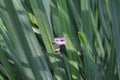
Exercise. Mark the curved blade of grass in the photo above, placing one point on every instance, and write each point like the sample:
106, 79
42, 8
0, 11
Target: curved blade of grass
33, 43
91, 70
8, 68
68, 33
103, 19
55, 20
115, 14
59, 33
46, 4
7, 22
44, 26
75, 10
10, 50
86, 21
12, 23
47, 34
94, 25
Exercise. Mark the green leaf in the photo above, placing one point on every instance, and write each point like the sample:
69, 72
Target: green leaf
90, 67
8, 68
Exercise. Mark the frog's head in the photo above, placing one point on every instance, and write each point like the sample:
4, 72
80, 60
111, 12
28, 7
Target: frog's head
59, 41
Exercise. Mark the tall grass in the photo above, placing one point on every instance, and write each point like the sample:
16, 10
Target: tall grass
28, 28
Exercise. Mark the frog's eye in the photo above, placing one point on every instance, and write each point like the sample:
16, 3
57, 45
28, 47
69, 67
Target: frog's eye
62, 40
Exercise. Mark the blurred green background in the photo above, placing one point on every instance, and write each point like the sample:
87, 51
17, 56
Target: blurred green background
28, 28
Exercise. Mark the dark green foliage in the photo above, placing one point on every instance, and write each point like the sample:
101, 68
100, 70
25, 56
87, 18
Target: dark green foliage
28, 28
